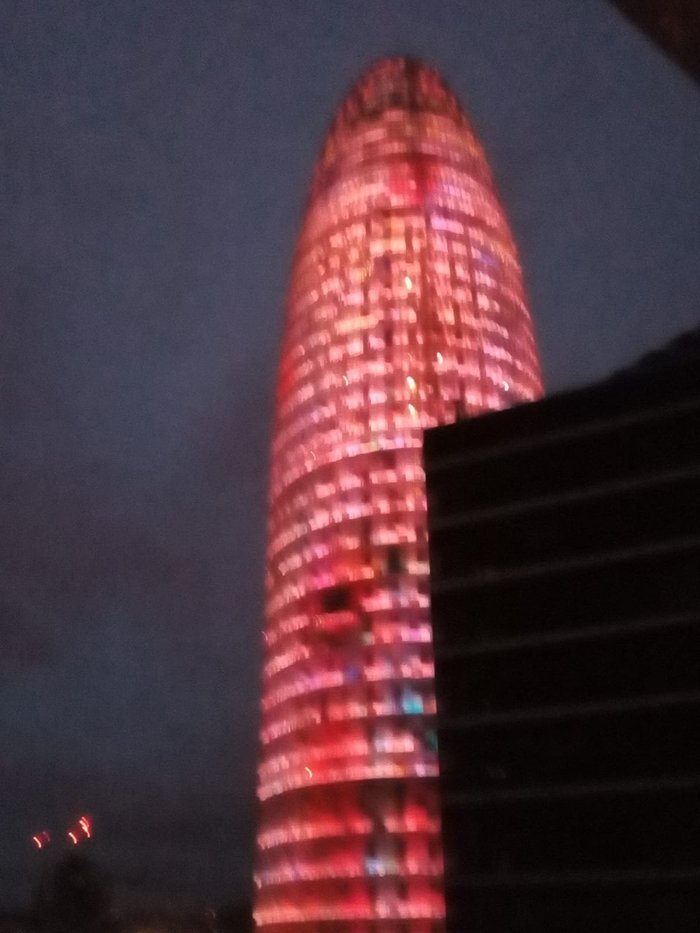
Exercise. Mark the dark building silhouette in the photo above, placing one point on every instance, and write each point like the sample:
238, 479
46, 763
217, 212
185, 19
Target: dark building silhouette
78, 899
565, 587
674, 25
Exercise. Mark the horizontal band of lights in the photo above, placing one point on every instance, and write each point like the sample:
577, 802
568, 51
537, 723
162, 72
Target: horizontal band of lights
409, 667
414, 701
294, 870
405, 310
358, 771
332, 826
419, 904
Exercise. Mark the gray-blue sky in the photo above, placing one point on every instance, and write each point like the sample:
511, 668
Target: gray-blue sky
155, 160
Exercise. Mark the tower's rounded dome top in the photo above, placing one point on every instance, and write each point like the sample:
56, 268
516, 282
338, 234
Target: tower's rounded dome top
397, 83
390, 84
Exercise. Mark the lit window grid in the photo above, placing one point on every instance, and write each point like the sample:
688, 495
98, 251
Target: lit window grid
391, 284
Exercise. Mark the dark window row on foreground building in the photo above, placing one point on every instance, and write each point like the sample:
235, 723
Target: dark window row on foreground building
565, 575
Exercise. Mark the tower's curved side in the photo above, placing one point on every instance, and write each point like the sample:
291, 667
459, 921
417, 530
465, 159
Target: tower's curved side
405, 310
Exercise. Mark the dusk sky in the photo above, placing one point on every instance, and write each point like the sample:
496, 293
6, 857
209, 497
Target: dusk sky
154, 164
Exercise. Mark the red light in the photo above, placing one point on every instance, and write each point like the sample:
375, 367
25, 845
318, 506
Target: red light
42, 839
81, 830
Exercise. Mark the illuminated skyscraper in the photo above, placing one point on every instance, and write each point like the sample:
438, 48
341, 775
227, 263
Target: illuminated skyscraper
405, 310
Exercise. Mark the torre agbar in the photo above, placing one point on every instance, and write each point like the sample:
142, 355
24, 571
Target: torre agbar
405, 310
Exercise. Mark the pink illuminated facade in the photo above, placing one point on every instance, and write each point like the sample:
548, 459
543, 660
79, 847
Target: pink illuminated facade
405, 310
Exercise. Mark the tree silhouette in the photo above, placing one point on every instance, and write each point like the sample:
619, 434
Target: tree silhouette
79, 898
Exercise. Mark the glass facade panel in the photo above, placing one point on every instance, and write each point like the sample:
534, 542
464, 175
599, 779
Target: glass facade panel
405, 310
